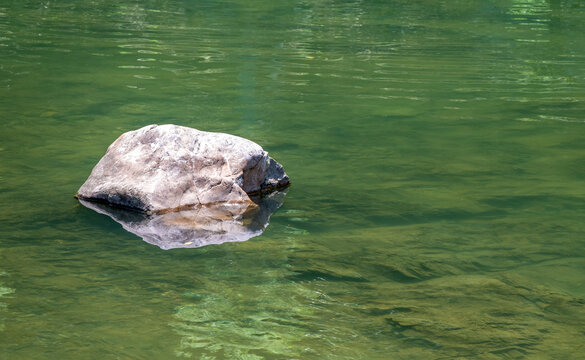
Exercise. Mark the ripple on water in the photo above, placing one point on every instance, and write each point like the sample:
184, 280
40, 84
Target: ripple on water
247, 319
436, 148
418, 310
4, 293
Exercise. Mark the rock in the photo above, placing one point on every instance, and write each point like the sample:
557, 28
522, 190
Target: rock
166, 168
198, 226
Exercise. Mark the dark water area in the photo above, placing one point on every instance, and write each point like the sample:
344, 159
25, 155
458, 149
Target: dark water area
435, 150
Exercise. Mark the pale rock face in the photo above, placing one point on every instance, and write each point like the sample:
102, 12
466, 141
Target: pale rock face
159, 169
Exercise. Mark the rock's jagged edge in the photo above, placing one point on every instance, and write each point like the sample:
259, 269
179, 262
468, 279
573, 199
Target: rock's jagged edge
270, 184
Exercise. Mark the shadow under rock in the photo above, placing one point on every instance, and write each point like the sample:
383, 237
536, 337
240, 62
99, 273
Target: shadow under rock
201, 226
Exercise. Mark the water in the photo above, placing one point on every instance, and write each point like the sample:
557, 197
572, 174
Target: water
435, 150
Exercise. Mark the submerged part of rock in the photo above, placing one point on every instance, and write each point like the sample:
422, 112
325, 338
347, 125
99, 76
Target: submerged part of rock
198, 226
180, 187
158, 169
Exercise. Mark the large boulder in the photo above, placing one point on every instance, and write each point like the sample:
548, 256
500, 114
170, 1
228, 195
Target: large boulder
164, 168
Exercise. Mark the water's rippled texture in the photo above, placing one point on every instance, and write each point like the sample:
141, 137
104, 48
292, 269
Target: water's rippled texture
436, 154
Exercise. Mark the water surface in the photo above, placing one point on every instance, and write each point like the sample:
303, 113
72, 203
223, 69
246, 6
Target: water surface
435, 150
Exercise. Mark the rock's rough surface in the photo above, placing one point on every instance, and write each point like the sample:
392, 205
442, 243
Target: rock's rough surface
158, 169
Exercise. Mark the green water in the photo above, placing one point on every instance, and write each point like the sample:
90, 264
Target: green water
436, 150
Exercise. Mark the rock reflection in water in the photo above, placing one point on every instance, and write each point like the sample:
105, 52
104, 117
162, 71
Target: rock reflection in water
205, 225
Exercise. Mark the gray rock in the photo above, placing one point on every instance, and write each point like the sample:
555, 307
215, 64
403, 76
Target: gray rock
166, 168
198, 226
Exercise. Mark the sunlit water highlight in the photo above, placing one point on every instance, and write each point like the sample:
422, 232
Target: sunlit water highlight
435, 150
